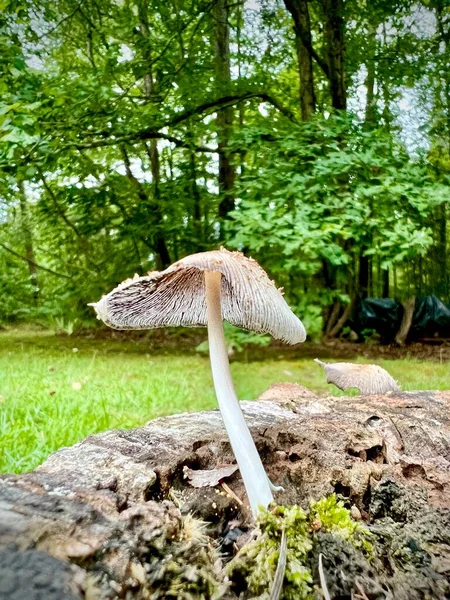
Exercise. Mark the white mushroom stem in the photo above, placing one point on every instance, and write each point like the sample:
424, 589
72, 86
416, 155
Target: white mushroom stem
252, 471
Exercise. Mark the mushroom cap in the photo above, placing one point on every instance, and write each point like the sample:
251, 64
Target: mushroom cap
368, 379
176, 297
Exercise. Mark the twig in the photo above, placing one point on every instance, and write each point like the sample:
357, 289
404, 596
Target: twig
361, 591
277, 587
66, 18
323, 581
230, 492
143, 135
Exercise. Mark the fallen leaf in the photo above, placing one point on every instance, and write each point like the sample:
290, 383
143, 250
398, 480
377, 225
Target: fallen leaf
52, 392
208, 477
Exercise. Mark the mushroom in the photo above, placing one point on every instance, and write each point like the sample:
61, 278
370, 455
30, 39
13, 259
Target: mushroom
368, 379
203, 289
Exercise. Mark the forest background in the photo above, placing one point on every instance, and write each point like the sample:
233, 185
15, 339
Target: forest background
312, 135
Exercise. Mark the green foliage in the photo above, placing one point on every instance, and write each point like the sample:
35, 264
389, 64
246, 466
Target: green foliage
330, 192
84, 196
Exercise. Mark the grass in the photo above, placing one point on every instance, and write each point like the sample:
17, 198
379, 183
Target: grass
54, 391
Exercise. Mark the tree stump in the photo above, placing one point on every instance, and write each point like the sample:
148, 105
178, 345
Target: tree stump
98, 520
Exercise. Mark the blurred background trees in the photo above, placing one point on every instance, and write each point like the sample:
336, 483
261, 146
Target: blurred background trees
313, 135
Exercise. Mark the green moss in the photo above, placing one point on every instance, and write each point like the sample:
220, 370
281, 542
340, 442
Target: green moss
256, 563
330, 516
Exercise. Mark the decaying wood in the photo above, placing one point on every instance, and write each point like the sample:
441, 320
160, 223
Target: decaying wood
405, 325
102, 506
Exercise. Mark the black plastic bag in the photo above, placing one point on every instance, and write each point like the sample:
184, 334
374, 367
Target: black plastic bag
383, 315
431, 318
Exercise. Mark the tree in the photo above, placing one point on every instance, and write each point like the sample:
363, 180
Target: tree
303, 43
119, 121
224, 119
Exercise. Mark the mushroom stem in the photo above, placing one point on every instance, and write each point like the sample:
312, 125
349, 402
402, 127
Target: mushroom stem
255, 479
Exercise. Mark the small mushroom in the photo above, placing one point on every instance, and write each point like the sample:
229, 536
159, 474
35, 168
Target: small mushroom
203, 289
368, 379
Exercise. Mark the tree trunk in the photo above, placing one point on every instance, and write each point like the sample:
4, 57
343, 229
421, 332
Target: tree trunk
335, 48
28, 240
386, 88
405, 325
303, 40
342, 319
371, 112
363, 275
160, 246
385, 283
199, 243
224, 120
443, 29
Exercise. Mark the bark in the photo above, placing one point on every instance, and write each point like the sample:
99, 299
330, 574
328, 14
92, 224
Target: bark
335, 48
28, 240
103, 507
405, 325
224, 120
303, 42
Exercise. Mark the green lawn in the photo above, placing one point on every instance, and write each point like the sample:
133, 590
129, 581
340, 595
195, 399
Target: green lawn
54, 390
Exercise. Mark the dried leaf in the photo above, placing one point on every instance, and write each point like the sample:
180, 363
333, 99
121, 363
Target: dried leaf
208, 477
368, 379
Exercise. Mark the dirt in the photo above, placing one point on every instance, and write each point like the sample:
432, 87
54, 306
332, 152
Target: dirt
184, 340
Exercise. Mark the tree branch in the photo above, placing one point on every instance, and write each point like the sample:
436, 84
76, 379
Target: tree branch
59, 210
155, 133
63, 20
293, 8
135, 137
31, 262
230, 100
